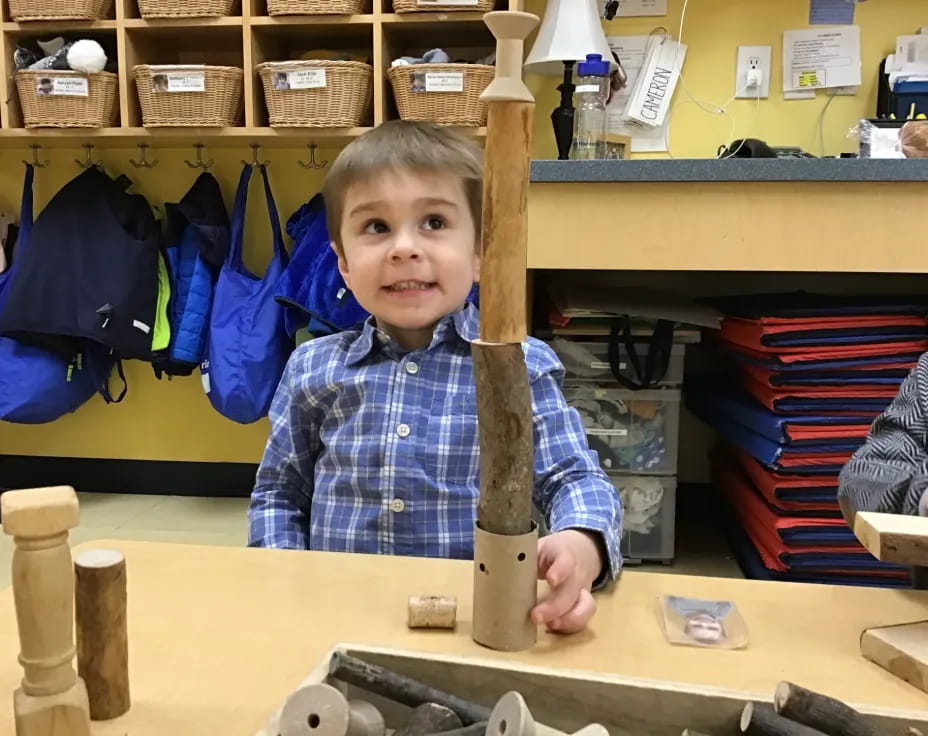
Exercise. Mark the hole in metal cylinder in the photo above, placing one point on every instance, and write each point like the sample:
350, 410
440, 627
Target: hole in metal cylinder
521, 556
313, 720
503, 726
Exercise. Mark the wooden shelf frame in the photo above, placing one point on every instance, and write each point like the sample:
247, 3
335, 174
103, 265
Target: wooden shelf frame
247, 38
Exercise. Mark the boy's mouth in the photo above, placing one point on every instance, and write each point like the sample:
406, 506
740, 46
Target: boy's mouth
404, 286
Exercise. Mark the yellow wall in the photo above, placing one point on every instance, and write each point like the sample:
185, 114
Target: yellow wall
177, 416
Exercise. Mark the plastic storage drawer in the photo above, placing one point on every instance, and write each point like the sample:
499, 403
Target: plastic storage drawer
649, 505
632, 431
589, 361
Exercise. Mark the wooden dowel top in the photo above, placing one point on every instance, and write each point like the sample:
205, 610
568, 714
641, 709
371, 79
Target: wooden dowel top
39, 512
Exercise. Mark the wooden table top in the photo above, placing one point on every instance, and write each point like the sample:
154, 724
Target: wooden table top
219, 636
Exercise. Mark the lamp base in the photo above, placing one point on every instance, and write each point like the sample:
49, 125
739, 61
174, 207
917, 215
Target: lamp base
562, 118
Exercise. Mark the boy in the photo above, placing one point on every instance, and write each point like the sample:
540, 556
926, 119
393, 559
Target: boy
374, 446
889, 473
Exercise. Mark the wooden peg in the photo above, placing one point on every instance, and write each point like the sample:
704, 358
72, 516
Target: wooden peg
431, 611
828, 715
52, 699
102, 636
760, 719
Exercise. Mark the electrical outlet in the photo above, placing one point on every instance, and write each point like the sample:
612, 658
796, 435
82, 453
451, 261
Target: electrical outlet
752, 72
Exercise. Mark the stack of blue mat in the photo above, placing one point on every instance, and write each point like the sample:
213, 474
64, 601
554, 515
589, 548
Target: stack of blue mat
807, 375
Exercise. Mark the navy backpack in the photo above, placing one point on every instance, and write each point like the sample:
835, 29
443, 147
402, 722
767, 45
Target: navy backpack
38, 386
248, 346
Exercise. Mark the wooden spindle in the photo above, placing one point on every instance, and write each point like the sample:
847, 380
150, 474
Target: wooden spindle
52, 699
505, 538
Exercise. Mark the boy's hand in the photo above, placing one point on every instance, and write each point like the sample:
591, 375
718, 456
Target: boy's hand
569, 561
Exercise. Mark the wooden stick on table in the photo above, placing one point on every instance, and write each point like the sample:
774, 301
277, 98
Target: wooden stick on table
760, 719
52, 700
505, 538
830, 716
102, 636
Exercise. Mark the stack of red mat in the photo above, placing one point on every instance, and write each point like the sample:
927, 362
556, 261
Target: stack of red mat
811, 372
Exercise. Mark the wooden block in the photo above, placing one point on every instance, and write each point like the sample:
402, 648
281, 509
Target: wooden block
38, 512
432, 611
898, 538
901, 650
102, 637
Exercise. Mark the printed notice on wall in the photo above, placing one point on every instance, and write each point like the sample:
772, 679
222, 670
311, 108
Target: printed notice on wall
300, 79
634, 8
632, 51
831, 12
821, 58
64, 86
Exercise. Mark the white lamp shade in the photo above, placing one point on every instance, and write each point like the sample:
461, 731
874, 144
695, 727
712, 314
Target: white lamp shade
569, 31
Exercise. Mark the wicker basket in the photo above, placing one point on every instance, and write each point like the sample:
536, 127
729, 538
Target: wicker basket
316, 7
424, 6
415, 101
186, 8
92, 106
342, 102
59, 9
215, 99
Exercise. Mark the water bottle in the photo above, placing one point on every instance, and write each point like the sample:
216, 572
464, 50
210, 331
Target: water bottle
590, 118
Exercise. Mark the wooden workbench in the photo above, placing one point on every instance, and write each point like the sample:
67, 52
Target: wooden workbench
219, 636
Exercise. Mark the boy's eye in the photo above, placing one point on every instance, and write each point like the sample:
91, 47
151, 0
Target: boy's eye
376, 227
434, 222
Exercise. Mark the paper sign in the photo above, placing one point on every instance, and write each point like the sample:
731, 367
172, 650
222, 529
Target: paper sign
179, 82
426, 3
631, 51
64, 86
300, 79
444, 81
826, 57
651, 96
831, 12
634, 8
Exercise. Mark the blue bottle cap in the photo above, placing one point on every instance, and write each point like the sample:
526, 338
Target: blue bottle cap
594, 66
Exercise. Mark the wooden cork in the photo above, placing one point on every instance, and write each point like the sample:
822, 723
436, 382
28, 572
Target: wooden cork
432, 612
102, 637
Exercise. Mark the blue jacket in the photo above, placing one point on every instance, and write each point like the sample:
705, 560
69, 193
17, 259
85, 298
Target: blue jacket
197, 242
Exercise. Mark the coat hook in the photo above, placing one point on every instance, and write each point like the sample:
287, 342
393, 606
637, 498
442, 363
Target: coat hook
35, 157
89, 162
312, 163
143, 164
254, 157
199, 163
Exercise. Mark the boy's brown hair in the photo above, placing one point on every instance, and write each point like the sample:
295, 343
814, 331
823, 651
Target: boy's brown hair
403, 144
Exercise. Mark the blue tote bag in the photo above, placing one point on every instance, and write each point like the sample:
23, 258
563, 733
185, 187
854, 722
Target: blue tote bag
37, 386
248, 346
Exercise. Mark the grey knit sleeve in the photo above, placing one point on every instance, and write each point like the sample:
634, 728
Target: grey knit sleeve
890, 472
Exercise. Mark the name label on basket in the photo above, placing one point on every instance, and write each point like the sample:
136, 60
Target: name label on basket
66, 86
447, 2
179, 82
301, 79
444, 81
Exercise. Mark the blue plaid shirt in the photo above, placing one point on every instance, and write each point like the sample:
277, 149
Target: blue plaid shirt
373, 449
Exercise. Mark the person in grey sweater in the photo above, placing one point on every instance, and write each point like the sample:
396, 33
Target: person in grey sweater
889, 473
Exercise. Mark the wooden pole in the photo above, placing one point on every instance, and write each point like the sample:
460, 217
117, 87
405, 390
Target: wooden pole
760, 719
830, 716
52, 699
102, 637
505, 538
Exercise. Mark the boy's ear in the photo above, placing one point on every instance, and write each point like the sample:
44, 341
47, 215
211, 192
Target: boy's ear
342, 264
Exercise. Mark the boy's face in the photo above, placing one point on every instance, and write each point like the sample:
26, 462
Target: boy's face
409, 251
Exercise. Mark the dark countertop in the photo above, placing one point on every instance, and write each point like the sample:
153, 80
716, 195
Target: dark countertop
662, 170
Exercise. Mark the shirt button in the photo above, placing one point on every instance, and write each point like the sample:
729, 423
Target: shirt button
412, 368
397, 505
403, 430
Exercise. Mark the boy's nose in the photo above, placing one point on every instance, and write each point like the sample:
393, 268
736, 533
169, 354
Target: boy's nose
405, 248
